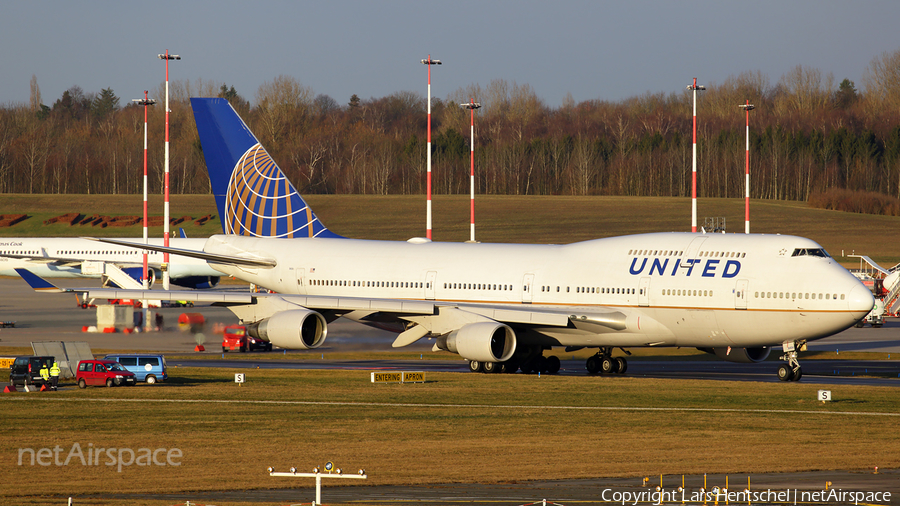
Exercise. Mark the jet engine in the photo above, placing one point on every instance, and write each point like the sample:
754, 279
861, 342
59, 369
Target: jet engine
740, 355
297, 329
483, 341
135, 273
196, 282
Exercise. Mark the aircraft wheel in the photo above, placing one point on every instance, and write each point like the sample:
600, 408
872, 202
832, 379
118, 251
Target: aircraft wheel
621, 365
592, 365
553, 364
475, 366
491, 367
608, 365
785, 373
528, 367
510, 366
797, 375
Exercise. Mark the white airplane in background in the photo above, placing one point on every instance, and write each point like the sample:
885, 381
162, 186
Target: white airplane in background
73, 257
502, 305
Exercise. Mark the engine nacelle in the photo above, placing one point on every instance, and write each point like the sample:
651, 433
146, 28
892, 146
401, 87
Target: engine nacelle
196, 282
740, 355
135, 273
297, 329
482, 341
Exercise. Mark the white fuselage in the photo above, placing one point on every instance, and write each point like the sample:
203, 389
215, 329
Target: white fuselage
670, 289
63, 257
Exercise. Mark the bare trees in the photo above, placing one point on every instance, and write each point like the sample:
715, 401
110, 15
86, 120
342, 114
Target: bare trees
807, 134
882, 81
282, 106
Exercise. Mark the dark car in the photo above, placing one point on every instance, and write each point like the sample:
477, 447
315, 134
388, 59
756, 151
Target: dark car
27, 370
103, 372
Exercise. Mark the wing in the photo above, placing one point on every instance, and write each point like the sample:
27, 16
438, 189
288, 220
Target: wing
209, 257
482, 332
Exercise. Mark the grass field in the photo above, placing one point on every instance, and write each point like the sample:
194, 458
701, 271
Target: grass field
454, 428
531, 219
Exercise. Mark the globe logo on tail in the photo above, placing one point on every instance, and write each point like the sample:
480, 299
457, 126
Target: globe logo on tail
261, 202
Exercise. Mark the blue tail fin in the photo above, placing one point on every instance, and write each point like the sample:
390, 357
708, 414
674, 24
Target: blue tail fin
253, 196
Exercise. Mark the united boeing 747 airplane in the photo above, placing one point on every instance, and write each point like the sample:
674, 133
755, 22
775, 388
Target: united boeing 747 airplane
501, 306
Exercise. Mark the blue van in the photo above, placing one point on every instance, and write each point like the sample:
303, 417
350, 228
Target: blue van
146, 367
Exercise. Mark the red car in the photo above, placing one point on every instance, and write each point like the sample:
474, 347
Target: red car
235, 338
103, 372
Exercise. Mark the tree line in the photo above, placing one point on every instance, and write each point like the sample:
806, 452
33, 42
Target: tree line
808, 134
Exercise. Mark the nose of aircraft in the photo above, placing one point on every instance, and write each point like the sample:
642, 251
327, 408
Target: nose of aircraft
860, 299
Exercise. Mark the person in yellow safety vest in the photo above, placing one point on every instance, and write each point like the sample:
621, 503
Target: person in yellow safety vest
45, 373
54, 375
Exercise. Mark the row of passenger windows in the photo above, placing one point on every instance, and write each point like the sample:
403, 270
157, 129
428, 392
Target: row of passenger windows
128, 251
120, 252
592, 289
372, 284
795, 295
670, 253
477, 286
688, 293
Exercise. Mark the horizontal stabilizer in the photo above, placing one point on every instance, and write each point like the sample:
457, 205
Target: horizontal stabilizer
38, 283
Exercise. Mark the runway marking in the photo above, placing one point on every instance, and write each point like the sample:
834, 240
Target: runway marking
461, 406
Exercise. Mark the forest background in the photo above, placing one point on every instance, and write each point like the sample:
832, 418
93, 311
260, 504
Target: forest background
808, 135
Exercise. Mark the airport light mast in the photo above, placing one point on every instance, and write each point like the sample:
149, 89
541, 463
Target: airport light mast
694, 87
472, 105
747, 107
429, 62
165, 269
144, 278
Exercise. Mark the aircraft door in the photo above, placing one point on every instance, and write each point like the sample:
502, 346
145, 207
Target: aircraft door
429, 284
527, 285
691, 252
301, 281
644, 292
740, 294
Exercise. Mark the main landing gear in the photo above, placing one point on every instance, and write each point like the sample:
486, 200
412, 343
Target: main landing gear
791, 371
530, 361
604, 362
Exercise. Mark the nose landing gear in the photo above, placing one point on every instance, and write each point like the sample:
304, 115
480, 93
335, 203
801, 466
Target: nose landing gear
791, 371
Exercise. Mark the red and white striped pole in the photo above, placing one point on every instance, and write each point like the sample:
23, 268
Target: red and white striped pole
694, 87
747, 107
145, 282
472, 105
429, 62
165, 269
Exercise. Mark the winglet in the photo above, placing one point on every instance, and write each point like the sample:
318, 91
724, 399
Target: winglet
38, 283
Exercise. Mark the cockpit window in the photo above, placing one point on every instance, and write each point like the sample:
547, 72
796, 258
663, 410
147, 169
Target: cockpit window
812, 252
